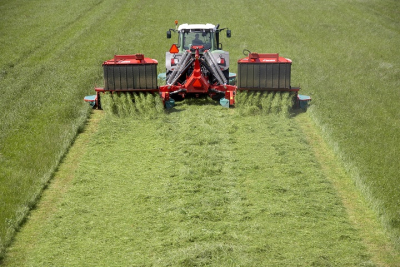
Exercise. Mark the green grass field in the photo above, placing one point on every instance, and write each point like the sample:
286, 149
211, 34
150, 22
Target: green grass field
345, 55
201, 186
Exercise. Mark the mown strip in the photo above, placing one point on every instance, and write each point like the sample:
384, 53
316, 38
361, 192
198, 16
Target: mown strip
363, 218
47, 64
201, 185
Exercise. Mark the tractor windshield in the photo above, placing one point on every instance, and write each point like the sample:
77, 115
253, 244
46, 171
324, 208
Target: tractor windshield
187, 38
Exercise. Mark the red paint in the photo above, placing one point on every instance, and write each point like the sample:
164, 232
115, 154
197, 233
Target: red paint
264, 58
174, 49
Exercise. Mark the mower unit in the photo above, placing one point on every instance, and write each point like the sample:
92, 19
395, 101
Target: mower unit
127, 74
196, 66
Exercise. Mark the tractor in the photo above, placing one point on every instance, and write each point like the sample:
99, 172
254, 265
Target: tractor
197, 66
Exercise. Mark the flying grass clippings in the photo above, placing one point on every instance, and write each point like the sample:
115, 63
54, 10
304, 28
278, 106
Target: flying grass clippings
138, 105
251, 103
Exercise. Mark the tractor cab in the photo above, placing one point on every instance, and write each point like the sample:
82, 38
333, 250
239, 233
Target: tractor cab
200, 38
205, 35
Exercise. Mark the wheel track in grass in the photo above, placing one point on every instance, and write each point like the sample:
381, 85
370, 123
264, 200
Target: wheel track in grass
53, 47
55, 40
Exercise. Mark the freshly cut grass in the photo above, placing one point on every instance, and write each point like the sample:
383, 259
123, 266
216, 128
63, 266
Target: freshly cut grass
201, 186
132, 104
253, 102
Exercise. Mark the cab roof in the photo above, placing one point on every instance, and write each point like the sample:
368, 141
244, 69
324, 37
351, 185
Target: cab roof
186, 26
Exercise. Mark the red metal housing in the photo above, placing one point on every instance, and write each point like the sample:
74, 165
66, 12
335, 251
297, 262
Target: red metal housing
129, 73
264, 72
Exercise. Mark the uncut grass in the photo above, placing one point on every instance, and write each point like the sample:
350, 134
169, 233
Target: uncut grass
200, 186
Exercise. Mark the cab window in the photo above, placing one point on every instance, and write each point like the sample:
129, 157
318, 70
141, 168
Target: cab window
197, 37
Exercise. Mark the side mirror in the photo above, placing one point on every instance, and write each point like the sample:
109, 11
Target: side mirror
169, 34
228, 33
